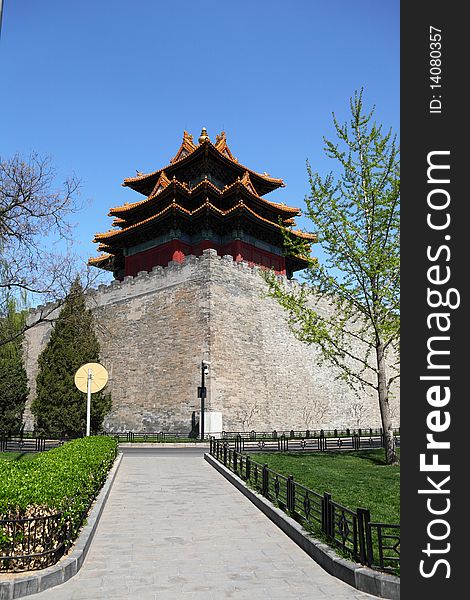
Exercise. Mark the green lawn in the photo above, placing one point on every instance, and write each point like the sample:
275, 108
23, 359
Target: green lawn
354, 479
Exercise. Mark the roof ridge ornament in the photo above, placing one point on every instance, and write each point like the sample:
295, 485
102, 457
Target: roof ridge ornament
220, 139
188, 137
204, 136
222, 147
187, 146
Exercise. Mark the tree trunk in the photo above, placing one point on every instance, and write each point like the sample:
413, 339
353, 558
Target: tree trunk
389, 441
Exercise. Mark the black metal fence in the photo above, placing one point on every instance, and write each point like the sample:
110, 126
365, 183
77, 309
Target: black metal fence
376, 545
286, 440
32, 543
366, 439
28, 444
308, 433
159, 436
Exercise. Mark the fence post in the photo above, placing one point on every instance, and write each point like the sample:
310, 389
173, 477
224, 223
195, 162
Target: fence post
247, 468
238, 443
290, 494
307, 434
234, 456
327, 515
283, 443
365, 537
265, 481
322, 441
274, 434
225, 454
292, 434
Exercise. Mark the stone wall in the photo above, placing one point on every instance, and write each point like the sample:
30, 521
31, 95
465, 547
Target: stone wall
155, 329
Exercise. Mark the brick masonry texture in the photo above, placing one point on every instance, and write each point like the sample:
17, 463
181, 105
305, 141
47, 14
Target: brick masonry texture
154, 330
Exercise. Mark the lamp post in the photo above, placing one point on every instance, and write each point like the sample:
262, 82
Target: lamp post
90, 378
202, 392
88, 401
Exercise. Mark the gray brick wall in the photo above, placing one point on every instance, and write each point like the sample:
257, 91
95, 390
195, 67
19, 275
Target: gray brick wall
155, 329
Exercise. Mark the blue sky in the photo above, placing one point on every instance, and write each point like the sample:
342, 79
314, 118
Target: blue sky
106, 87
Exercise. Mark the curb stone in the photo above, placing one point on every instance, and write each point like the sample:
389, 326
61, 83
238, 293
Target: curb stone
68, 565
358, 576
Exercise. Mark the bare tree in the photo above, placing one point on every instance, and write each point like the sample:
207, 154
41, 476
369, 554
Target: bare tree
246, 414
357, 412
314, 412
35, 234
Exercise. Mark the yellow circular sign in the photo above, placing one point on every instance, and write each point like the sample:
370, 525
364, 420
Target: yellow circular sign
99, 377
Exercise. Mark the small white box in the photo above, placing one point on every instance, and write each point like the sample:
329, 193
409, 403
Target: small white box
212, 423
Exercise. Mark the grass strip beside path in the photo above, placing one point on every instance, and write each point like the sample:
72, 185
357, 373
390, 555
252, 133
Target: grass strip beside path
354, 479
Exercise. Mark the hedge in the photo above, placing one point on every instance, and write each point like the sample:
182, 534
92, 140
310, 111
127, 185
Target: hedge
63, 480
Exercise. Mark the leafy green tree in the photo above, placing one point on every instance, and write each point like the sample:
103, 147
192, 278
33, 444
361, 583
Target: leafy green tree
355, 213
59, 407
13, 378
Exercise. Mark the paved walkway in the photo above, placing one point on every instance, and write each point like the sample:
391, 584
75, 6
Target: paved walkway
174, 529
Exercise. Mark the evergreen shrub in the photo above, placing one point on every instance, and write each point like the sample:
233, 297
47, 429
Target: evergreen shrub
65, 479
13, 378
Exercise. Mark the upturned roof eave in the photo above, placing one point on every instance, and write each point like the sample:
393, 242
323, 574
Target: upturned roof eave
110, 237
126, 211
142, 182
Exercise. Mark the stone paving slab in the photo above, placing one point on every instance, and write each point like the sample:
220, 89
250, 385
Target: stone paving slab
174, 529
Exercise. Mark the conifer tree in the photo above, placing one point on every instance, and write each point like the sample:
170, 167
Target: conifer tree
59, 407
13, 378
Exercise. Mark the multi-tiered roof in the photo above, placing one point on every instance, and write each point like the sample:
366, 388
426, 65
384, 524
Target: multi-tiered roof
204, 198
